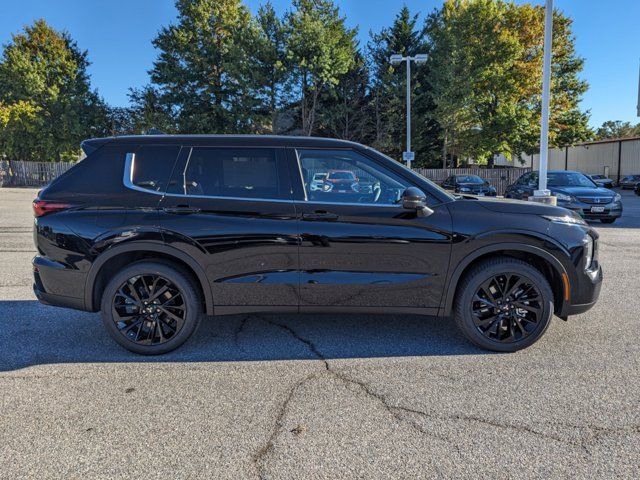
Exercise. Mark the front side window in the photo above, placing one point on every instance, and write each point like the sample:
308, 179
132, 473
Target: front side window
233, 172
348, 177
150, 166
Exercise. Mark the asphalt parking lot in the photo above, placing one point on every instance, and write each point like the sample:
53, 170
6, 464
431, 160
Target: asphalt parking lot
269, 396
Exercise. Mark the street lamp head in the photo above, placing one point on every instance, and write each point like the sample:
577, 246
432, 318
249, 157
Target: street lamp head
395, 59
420, 58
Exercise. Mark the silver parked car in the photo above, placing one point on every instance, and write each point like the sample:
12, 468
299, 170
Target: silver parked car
602, 181
629, 181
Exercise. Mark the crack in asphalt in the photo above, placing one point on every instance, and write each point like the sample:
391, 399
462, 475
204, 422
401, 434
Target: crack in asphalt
397, 411
393, 410
240, 329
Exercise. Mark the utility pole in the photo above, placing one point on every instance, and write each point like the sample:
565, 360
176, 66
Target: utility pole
408, 156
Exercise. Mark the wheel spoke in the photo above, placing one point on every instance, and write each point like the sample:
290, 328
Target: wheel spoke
506, 307
143, 326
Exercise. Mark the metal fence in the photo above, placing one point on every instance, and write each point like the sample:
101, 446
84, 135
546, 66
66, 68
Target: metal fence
500, 178
17, 173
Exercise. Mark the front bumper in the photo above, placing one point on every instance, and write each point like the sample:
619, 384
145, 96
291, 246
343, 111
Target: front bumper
585, 294
585, 210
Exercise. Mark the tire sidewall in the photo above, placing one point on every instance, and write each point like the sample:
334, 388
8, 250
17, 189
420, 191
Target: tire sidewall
182, 282
464, 316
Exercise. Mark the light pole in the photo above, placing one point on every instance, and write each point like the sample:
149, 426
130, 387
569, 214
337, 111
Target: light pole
543, 195
396, 59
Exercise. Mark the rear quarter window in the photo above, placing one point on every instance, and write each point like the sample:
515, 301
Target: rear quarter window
150, 166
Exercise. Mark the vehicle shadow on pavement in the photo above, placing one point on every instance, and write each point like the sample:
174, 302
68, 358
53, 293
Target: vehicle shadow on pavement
34, 334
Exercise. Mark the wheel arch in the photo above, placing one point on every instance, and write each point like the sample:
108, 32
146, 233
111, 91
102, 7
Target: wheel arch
551, 267
120, 255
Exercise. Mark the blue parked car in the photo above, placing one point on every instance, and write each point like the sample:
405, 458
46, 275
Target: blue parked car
574, 191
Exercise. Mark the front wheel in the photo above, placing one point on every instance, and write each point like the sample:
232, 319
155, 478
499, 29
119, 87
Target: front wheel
151, 307
503, 304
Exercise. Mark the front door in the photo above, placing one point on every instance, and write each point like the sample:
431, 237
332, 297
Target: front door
232, 209
359, 248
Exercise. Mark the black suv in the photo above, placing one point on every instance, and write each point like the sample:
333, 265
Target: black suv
154, 231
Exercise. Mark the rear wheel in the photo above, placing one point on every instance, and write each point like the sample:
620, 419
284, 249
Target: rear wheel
504, 305
607, 220
151, 307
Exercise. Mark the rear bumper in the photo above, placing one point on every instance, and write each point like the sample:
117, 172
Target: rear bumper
57, 285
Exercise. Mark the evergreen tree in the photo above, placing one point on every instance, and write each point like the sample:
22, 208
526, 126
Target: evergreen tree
269, 67
47, 106
321, 50
389, 91
201, 71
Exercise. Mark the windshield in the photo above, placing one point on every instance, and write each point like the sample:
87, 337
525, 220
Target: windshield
469, 179
341, 176
569, 179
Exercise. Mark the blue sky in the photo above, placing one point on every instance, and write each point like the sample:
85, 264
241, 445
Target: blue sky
118, 34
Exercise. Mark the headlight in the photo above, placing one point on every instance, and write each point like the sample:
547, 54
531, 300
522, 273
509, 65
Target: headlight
588, 252
617, 198
327, 186
565, 219
563, 197
464, 189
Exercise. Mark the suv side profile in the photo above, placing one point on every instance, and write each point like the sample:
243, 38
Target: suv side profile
155, 231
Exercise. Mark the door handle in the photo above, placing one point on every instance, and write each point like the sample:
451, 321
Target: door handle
182, 210
320, 215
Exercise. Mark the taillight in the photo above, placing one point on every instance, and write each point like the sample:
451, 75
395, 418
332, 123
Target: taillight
44, 207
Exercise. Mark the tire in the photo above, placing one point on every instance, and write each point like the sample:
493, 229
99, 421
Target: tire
482, 279
607, 220
167, 321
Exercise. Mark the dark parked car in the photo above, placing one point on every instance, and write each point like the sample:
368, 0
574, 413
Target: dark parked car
629, 181
602, 181
154, 231
574, 191
469, 185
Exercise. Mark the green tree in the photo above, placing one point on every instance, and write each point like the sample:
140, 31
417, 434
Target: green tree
149, 111
200, 73
269, 67
345, 108
486, 75
388, 90
321, 50
46, 102
617, 129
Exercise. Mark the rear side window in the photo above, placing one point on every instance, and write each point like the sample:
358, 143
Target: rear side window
233, 172
150, 167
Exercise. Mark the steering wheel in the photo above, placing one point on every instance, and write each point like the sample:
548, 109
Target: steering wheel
378, 192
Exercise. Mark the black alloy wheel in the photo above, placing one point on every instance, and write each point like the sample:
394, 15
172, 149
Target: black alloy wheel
507, 307
151, 307
503, 304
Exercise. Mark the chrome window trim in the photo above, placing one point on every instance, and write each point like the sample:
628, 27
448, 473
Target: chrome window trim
128, 182
127, 178
219, 197
351, 204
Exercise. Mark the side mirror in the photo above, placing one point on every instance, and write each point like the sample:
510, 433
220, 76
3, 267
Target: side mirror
414, 199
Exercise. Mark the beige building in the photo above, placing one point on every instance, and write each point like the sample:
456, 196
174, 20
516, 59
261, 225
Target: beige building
614, 158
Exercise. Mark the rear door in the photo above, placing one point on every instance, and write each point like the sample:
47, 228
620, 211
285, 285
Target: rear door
232, 209
360, 249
